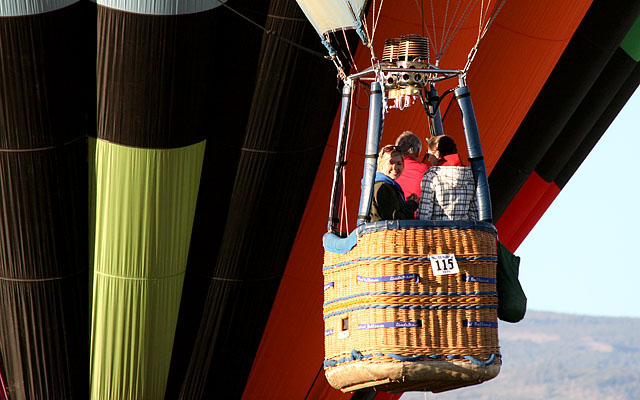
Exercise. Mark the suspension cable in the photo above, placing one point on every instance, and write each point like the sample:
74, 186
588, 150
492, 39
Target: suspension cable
344, 215
270, 32
449, 32
459, 24
425, 30
375, 22
353, 61
453, 21
433, 21
482, 31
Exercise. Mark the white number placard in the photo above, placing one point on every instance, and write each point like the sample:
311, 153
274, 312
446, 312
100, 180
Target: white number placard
444, 264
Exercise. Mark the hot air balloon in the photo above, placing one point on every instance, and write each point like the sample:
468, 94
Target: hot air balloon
503, 68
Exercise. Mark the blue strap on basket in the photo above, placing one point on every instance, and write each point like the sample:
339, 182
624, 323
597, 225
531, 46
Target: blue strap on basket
390, 258
386, 293
410, 307
482, 363
357, 356
335, 244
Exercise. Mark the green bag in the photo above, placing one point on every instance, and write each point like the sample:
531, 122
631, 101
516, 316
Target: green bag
512, 303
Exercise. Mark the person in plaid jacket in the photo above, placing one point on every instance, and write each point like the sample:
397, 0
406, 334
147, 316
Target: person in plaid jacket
448, 187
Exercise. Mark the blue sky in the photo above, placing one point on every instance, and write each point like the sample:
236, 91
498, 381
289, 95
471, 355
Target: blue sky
583, 255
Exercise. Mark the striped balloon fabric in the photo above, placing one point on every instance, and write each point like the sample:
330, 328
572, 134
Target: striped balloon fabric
133, 167
45, 100
145, 167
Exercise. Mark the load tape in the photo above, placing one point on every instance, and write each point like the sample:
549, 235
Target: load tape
480, 324
391, 278
394, 324
479, 279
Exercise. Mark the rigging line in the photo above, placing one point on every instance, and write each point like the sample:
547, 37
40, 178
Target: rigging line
344, 223
373, 12
426, 153
373, 18
366, 88
286, 18
270, 32
433, 21
484, 20
363, 21
353, 116
447, 110
494, 14
466, 13
444, 20
346, 157
375, 26
340, 49
54, 278
198, 275
278, 152
424, 24
482, 13
4, 389
55, 147
421, 14
459, 24
313, 383
481, 34
353, 62
366, 28
453, 17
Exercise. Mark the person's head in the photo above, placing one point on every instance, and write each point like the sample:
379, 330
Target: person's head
410, 144
440, 146
390, 161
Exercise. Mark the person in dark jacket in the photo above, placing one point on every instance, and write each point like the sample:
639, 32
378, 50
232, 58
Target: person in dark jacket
388, 199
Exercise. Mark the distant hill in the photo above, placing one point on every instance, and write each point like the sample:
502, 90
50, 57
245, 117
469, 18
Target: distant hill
560, 356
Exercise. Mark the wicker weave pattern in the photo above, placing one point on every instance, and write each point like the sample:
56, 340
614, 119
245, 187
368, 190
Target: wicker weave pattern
443, 305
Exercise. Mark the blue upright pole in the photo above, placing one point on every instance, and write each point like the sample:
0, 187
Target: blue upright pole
475, 153
345, 116
374, 133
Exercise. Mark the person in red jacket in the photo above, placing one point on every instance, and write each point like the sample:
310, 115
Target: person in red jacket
411, 146
448, 187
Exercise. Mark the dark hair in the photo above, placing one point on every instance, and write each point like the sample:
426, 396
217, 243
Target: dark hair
444, 144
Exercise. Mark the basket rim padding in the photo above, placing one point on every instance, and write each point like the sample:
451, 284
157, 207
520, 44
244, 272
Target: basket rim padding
339, 245
411, 372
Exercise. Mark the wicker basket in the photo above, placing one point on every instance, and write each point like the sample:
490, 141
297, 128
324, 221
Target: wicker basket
393, 324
